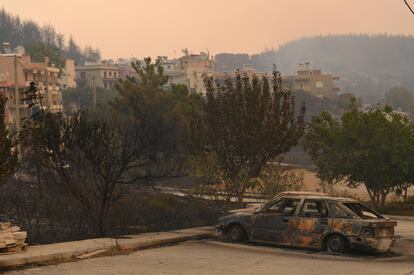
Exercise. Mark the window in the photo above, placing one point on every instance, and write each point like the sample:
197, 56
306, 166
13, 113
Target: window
110, 74
285, 207
314, 209
104, 74
319, 84
83, 75
361, 210
336, 211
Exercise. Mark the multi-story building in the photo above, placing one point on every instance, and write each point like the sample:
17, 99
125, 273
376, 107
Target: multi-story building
189, 69
68, 74
312, 81
125, 67
16, 72
244, 70
97, 74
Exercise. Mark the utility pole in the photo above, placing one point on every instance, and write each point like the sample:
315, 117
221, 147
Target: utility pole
94, 92
47, 91
17, 101
93, 86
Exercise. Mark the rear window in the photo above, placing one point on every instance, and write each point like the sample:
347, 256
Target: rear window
362, 211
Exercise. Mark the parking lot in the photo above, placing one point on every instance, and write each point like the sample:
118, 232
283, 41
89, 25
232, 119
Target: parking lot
214, 257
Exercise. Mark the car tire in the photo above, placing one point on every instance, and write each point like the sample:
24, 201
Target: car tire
336, 244
236, 233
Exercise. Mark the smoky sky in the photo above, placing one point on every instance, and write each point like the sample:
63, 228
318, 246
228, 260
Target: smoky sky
125, 28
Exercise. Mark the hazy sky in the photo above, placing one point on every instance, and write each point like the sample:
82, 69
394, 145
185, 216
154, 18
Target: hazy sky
124, 28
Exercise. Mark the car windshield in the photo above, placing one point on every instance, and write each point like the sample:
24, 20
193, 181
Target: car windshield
362, 211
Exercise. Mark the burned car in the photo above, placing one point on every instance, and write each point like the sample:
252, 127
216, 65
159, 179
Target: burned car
311, 220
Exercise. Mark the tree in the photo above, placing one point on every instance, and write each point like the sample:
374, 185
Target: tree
8, 159
83, 96
276, 178
39, 50
401, 99
371, 147
98, 157
245, 122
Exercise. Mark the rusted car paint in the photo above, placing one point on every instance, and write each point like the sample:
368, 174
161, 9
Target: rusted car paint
311, 232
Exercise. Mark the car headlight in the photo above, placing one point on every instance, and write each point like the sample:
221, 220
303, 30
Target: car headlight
368, 233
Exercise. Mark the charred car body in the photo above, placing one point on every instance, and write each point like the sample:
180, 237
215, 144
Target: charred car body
311, 220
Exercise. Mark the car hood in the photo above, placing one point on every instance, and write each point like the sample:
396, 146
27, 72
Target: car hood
250, 209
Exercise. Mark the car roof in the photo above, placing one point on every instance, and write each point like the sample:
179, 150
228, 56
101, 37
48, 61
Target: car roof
301, 193
313, 195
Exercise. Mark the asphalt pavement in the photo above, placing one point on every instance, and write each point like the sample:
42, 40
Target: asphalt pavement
214, 257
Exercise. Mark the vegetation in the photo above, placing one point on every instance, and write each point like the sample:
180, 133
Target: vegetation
243, 124
43, 40
8, 159
98, 157
83, 97
39, 50
401, 99
372, 147
276, 177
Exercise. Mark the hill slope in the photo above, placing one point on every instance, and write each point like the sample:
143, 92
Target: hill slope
42, 40
368, 65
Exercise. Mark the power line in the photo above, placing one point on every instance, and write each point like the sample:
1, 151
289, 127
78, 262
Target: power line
409, 7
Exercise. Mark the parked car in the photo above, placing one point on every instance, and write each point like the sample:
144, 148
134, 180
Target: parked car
311, 220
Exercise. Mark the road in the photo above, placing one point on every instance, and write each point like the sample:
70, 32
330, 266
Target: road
213, 257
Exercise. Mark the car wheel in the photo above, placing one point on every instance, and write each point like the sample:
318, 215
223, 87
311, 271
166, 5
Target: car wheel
336, 244
236, 233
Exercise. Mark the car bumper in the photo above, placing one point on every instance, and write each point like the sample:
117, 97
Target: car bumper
378, 245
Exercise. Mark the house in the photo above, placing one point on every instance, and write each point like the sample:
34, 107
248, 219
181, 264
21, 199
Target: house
313, 81
97, 74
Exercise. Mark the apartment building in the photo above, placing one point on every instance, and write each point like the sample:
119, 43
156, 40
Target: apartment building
97, 74
313, 81
189, 69
16, 72
67, 77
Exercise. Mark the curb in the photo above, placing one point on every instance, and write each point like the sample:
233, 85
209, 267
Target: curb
86, 249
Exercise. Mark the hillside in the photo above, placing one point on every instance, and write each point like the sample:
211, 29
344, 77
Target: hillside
368, 65
42, 40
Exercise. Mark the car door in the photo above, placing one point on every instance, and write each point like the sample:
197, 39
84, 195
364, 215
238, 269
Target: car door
311, 224
272, 223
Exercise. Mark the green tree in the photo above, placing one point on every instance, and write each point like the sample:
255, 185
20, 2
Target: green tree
245, 122
276, 178
39, 50
401, 98
98, 156
371, 147
8, 159
83, 97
